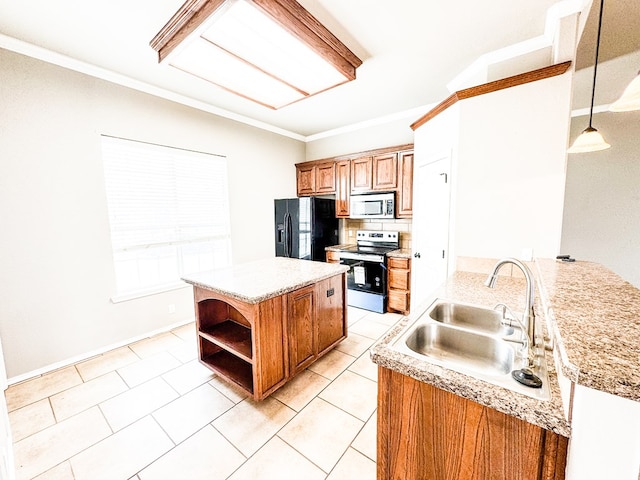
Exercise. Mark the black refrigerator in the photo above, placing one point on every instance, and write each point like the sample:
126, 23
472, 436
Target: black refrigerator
305, 226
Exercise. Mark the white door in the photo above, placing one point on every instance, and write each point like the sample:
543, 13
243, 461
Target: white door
431, 203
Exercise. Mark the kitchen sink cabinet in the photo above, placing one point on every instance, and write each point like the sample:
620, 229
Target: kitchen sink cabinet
313, 178
427, 433
260, 346
398, 284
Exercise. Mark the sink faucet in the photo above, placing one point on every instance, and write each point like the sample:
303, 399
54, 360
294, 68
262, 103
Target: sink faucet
528, 316
527, 347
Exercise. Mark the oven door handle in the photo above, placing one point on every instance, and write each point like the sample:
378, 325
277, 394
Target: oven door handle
362, 257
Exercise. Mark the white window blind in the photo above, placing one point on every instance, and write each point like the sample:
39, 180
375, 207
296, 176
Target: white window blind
168, 213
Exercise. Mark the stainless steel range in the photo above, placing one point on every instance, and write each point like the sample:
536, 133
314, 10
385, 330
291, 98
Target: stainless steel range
367, 262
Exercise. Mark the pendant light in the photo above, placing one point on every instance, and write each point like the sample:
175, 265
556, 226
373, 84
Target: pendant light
590, 140
630, 99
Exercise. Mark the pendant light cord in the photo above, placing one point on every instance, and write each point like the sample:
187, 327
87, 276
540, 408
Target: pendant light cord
595, 66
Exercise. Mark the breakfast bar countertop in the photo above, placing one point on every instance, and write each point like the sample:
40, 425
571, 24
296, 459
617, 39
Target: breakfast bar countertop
595, 315
257, 281
469, 288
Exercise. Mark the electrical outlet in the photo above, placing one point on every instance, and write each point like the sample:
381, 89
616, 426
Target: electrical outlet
172, 308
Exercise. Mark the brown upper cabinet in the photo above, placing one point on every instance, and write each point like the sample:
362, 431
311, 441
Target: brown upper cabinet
315, 178
343, 187
374, 173
362, 175
404, 200
383, 170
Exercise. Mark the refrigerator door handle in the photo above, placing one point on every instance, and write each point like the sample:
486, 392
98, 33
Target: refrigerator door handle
289, 237
287, 218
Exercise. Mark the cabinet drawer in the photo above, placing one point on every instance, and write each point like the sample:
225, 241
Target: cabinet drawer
333, 257
398, 300
394, 262
399, 279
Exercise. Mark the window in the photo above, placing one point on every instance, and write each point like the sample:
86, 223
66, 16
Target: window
168, 213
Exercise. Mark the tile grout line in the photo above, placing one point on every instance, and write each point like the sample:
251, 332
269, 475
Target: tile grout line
296, 413
176, 445
277, 434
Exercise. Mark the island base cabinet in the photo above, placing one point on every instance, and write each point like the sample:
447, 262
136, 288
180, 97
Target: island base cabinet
243, 343
425, 433
259, 347
301, 317
317, 321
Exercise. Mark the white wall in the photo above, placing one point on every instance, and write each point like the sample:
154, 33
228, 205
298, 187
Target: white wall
602, 200
511, 170
508, 168
57, 272
397, 132
605, 437
438, 138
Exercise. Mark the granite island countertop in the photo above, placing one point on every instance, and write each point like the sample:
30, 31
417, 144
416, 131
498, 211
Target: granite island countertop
469, 288
595, 317
257, 281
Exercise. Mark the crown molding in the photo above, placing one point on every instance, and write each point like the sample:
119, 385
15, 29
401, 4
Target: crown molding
39, 53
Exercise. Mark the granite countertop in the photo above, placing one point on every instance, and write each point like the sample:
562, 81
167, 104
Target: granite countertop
255, 282
469, 288
337, 248
595, 317
401, 253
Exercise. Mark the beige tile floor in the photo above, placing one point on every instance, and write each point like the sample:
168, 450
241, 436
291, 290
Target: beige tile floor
150, 411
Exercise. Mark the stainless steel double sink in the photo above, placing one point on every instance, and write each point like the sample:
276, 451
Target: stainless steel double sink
472, 340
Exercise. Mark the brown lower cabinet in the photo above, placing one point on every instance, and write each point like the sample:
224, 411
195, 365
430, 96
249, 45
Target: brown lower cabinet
398, 285
425, 433
260, 347
333, 257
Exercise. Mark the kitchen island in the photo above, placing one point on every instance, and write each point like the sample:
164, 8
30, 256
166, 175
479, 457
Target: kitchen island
260, 323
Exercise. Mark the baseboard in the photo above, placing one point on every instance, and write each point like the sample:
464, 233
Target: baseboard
94, 353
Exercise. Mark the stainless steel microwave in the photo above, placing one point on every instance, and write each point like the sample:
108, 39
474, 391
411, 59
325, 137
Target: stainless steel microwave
376, 205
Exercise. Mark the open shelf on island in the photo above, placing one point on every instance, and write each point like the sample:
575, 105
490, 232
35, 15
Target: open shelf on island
253, 345
231, 336
231, 367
